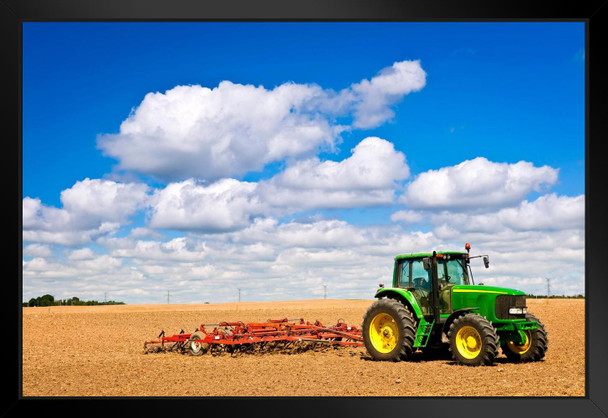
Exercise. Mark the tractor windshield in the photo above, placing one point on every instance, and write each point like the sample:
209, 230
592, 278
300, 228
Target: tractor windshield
452, 271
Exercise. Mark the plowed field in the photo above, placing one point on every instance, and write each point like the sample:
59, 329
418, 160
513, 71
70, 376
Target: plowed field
98, 351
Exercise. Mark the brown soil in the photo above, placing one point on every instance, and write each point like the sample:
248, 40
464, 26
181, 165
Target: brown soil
98, 351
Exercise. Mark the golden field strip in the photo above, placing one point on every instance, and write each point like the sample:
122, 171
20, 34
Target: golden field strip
89, 351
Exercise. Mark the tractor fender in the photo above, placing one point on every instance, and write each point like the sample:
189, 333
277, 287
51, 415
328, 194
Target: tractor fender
404, 296
454, 315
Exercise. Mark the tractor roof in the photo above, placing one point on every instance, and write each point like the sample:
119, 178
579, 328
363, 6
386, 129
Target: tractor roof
420, 255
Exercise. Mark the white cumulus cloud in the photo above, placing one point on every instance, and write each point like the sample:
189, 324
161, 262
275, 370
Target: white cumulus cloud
224, 205
90, 208
227, 131
374, 164
374, 97
407, 216
477, 184
368, 177
548, 212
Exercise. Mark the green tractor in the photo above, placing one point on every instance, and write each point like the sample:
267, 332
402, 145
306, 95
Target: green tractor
434, 304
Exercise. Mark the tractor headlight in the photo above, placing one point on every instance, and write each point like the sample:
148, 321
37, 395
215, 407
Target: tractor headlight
517, 311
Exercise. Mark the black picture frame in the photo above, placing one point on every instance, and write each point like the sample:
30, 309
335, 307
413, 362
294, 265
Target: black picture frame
595, 15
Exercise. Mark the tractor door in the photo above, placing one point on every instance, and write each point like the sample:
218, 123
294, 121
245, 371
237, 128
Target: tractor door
416, 279
450, 271
445, 286
439, 277
421, 282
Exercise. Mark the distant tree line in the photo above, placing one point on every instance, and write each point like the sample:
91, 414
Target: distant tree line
49, 300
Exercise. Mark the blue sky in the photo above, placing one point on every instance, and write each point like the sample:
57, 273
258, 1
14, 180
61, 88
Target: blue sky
491, 95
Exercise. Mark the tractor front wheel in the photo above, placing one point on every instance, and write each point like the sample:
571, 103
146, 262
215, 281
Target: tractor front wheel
473, 340
533, 344
389, 331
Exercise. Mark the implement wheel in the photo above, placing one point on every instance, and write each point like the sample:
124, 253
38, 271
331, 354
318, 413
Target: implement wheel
533, 347
389, 331
196, 348
473, 340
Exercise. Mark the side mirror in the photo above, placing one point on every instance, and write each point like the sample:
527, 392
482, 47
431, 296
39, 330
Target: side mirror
426, 262
486, 261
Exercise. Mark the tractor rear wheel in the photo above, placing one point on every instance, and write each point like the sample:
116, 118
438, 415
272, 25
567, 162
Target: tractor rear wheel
389, 331
533, 347
473, 340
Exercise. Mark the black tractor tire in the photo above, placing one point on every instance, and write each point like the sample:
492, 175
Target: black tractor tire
195, 348
473, 340
533, 349
389, 331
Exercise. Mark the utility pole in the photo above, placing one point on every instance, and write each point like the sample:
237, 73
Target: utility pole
105, 297
239, 295
548, 287
167, 297
324, 291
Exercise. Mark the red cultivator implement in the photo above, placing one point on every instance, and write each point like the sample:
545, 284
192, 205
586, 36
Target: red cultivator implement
256, 337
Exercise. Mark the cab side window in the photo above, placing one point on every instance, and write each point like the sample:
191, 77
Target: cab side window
456, 272
420, 277
404, 274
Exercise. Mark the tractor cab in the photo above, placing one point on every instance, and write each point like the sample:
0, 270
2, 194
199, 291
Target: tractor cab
426, 274
430, 278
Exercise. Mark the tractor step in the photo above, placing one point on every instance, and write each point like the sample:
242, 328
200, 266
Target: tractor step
423, 333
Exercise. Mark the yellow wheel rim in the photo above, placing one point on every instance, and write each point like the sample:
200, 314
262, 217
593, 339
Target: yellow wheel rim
521, 349
383, 333
468, 342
